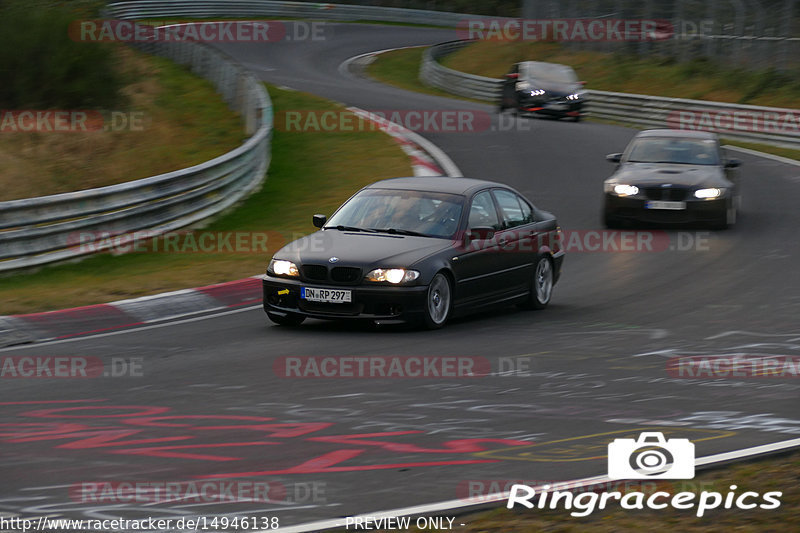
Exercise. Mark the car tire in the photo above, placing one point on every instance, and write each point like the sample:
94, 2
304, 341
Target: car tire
438, 302
541, 284
577, 118
290, 319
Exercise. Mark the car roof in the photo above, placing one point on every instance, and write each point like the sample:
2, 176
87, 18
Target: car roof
539, 63
666, 132
462, 186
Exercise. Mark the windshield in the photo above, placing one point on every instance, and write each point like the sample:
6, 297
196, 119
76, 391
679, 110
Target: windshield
429, 213
551, 72
677, 151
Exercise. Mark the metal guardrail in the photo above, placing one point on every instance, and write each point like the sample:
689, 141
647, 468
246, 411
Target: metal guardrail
306, 10
36, 231
634, 109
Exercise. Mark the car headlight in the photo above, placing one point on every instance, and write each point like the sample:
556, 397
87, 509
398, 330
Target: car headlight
575, 96
281, 267
622, 189
537, 92
392, 275
708, 193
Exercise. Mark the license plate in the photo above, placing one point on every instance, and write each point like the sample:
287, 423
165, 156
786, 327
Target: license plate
675, 206
336, 296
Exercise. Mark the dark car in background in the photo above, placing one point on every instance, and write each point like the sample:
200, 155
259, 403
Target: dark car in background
543, 88
417, 250
672, 176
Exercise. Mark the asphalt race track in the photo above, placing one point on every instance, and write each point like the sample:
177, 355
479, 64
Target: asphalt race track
566, 380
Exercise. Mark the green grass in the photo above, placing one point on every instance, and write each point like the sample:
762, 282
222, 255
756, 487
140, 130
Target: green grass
401, 68
309, 173
659, 76
184, 123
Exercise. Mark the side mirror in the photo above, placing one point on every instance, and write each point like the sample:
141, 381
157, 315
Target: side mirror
479, 233
319, 220
613, 158
512, 76
582, 83
733, 163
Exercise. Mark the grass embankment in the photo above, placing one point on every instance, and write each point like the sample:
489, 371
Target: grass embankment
180, 121
698, 79
607, 72
145, 115
309, 173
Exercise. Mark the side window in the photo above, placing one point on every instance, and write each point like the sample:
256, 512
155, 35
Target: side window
482, 212
510, 207
527, 211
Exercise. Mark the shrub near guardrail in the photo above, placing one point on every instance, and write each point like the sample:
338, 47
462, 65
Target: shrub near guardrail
42, 68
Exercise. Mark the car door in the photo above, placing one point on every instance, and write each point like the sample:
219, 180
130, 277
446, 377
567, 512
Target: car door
509, 95
515, 241
476, 263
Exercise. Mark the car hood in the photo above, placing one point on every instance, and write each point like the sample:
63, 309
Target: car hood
644, 174
556, 88
367, 250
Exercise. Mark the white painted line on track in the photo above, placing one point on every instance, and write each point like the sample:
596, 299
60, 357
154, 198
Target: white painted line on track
133, 329
765, 155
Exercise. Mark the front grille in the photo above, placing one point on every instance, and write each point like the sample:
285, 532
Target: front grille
315, 272
346, 274
670, 194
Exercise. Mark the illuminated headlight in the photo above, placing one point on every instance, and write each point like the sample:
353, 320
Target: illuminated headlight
537, 92
392, 275
708, 193
279, 267
575, 96
625, 190
522, 86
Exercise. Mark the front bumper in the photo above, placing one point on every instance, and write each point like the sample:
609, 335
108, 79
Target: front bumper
633, 208
379, 302
557, 108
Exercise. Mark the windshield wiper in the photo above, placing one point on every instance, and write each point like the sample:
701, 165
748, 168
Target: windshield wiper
349, 228
396, 231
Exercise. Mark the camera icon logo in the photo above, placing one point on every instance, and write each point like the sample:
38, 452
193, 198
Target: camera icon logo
651, 456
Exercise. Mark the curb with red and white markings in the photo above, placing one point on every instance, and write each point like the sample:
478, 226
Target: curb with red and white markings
427, 159
103, 318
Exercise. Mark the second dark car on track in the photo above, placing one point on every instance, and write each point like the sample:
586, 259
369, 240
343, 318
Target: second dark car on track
672, 176
535, 87
418, 250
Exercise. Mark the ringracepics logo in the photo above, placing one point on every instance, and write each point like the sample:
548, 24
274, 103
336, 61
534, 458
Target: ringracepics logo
650, 456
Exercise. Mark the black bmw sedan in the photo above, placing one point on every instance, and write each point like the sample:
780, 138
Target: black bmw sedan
534, 87
672, 176
417, 250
